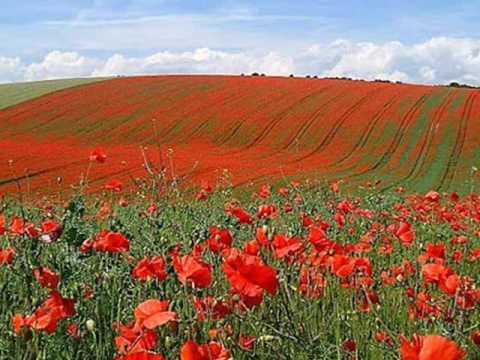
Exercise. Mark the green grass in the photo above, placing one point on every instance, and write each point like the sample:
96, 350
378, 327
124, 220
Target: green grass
13, 94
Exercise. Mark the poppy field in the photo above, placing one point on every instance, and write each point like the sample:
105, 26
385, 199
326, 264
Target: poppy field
259, 129
301, 271
222, 217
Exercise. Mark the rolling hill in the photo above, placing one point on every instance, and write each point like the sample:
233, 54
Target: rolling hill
258, 128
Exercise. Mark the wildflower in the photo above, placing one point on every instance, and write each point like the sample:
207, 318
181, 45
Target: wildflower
247, 342
219, 239
153, 313
112, 242
212, 351
114, 185
191, 268
7, 256
430, 347
250, 277
98, 155
46, 277
47, 316
147, 269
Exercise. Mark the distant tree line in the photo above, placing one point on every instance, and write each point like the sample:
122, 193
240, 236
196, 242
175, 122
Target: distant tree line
452, 84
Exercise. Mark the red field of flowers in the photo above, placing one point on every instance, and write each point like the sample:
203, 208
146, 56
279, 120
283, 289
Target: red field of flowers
256, 128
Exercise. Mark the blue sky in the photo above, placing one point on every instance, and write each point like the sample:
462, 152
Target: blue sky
290, 34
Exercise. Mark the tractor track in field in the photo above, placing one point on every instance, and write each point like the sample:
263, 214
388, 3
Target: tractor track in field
280, 117
387, 155
58, 96
308, 124
40, 172
167, 132
57, 116
452, 163
368, 131
427, 142
336, 127
239, 125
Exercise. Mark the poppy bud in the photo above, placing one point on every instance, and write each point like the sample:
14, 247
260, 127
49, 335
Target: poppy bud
476, 338
90, 324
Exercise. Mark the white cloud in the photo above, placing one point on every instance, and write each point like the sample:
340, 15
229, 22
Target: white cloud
59, 64
10, 69
439, 60
200, 61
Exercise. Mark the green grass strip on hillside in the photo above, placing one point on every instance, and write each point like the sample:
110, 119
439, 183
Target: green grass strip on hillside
16, 93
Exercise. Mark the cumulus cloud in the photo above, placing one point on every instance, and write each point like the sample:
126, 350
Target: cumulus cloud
200, 61
10, 69
439, 60
59, 64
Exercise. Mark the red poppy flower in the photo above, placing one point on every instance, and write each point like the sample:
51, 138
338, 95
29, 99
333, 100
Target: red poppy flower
432, 196
430, 347
335, 186
436, 251
285, 246
219, 239
51, 231
153, 313
134, 339
112, 242
47, 316
147, 269
242, 216
249, 276
443, 276
192, 268
212, 351
202, 195
265, 191
268, 212
252, 247
284, 192
247, 342
98, 155
74, 331
262, 237
405, 233
350, 345
144, 355
384, 338
114, 185
18, 226
7, 256
318, 238
210, 307
3, 224
46, 277
476, 338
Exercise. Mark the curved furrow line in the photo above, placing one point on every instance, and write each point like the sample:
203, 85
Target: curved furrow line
89, 113
44, 100
387, 155
40, 172
239, 125
167, 132
427, 142
452, 163
308, 124
198, 128
140, 111
368, 131
264, 133
334, 130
